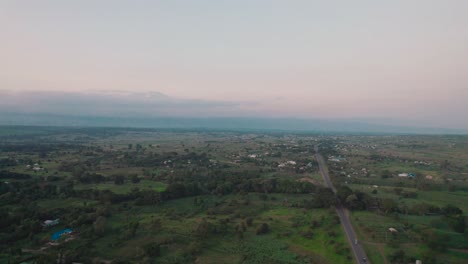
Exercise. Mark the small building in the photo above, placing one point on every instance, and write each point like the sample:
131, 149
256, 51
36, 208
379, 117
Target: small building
57, 235
403, 175
336, 159
429, 177
392, 230
48, 223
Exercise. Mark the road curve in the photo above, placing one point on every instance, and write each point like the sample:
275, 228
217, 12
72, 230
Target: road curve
357, 249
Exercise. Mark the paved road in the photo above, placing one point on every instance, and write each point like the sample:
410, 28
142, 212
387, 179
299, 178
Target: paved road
357, 249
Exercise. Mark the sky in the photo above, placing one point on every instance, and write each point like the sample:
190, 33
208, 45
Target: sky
401, 61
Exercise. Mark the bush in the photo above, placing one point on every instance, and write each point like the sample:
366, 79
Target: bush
152, 249
249, 221
262, 229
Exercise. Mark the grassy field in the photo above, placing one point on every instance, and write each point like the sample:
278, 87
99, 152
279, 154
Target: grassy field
124, 188
285, 240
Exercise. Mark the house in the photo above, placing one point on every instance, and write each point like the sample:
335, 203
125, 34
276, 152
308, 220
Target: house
48, 223
290, 162
392, 230
336, 159
428, 177
403, 175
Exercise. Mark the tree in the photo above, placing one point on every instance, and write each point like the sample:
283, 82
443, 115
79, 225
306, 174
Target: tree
249, 221
352, 201
119, 179
78, 171
175, 190
47, 258
385, 174
204, 228
451, 210
156, 225
458, 223
325, 198
435, 241
240, 235
343, 192
99, 225
135, 179
152, 249
262, 229
131, 230
445, 165
138, 147
398, 257
388, 205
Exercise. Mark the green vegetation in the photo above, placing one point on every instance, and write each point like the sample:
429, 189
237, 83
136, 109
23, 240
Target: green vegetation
155, 196
426, 204
145, 196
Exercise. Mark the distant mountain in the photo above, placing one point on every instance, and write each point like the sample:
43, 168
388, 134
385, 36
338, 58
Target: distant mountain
157, 110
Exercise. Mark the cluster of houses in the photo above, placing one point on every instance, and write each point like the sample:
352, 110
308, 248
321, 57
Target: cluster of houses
420, 162
35, 167
59, 234
412, 175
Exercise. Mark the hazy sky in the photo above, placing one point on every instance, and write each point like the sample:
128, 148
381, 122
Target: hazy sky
399, 59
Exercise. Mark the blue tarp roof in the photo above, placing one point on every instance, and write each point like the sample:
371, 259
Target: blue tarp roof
58, 234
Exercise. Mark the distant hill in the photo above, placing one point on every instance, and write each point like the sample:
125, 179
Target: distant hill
220, 123
157, 110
